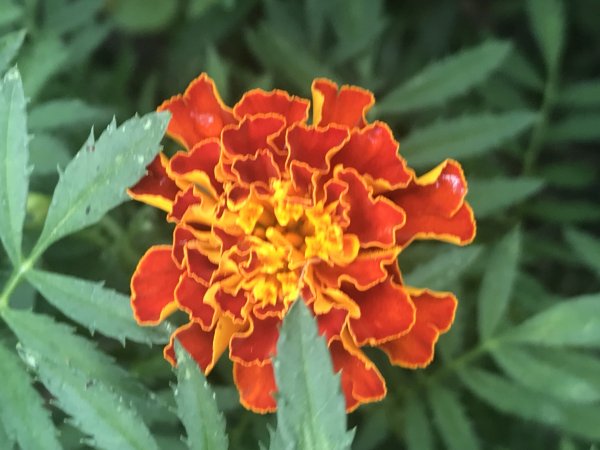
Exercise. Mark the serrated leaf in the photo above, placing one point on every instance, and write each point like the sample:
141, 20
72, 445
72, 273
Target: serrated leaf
508, 397
44, 59
310, 406
576, 127
497, 283
94, 407
584, 94
94, 307
14, 175
65, 113
197, 406
547, 19
452, 422
565, 377
491, 196
573, 322
463, 137
418, 431
10, 44
96, 180
586, 246
446, 79
441, 271
23, 415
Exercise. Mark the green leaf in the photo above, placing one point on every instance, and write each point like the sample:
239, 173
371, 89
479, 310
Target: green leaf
14, 175
586, 246
547, 19
574, 322
418, 432
569, 174
95, 409
135, 16
197, 407
443, 270
96, 180
11, 12
65, 113
310, 408
446, 79
488, 197
577, 127
497, 284
47, 153
72, 15
9, 47
23, 415
452, 422
570, 378
95, 307
584, 94
580, 420
41, 62
519, 69
567, 211
463, 137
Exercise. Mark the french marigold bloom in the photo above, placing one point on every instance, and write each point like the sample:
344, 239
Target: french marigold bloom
268, 208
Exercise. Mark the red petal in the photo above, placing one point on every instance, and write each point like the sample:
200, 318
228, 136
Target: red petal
347, 107
293, 109
386, 312
251, 135
435, 314
153, 286
364, 272
332, 323
197, 114
156, 188
361, 381
198, 165
374, 221
315, 146
181, 236
232, 304
256, 385
199, 266
435, 207
182, 202
257, 344
260, 167
373, 152
190, 297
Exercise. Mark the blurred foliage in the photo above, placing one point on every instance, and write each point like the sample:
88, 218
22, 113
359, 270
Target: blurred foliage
509, 88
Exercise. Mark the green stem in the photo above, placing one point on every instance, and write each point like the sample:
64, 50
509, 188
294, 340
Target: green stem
537, 136
13, 281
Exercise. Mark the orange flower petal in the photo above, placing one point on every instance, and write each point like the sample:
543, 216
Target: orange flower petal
258, 343
153, 284
183, 201
361, 381
198, 165
347, 107
233, 305
315, 146
364, 272
435, 207
386, 312
374, 221
252, 134
373, 152
435, 314
258, 168
156, 188
197, 114
332, 323
256, 385
199, 266
190, 297
204, 346
293, 109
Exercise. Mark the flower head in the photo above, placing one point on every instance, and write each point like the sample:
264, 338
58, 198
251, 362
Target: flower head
268, 209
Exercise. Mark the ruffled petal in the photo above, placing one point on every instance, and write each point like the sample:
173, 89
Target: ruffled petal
153, 285
190, 298
386, 312
435, 207
204, 346
373, 152
258, 343
252, 134
348, 106
374, 221
199, 266
258, 168
182, 203
365, 271
435, 314
332, 323
156, 188
198, 166
315, 146
361, 381
293, 109
197, 114
233, 305
256, 385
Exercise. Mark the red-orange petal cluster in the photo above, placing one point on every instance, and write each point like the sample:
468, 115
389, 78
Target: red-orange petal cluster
268, 208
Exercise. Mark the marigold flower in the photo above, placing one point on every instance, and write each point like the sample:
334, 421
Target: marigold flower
268, 209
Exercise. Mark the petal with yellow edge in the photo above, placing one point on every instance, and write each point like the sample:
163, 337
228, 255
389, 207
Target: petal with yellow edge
293, 109
258, 343
256, 385
348, 106
198, 166
153, 286
190, 298
156, 188
434, 316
